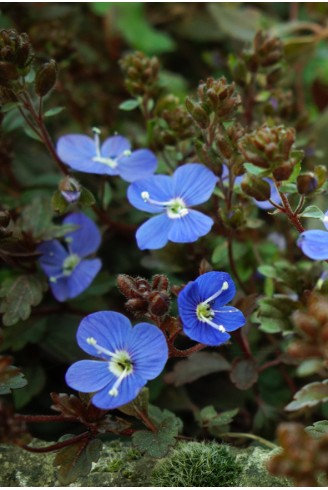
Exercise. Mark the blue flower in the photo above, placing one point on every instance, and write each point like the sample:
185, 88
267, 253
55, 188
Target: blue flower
129, 357
113, 157
314, 243
68, 270
201, 308
171, 197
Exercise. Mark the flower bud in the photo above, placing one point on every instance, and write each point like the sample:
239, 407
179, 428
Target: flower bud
307, 183
160, 282
46, 78
256, 187
8, 72
128, 286
70, 189
159, 303
137, 306
284, 171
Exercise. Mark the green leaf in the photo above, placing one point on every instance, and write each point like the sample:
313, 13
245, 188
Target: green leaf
252, 169
312, 212
87, 198
215, 422
76, 460
309, 367
268, 271
132, 22
318, 429
36, 380
237, 22
19, 295
22, 333
310, 395
196, 366
12, 120
106, 195
157, 444
11, 377
138, 406
244, 373
129, 105
274, 312
32, 134
59, 203
53, 112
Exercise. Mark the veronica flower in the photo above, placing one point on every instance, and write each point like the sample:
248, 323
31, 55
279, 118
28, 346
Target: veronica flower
170, 197
128, 358
265, 205
201, 308
68, 270
113, 157
314, 243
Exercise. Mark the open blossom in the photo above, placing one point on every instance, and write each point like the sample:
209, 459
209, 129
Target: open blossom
69, 272
113, 157
128, 358
201, 308
314, 243
171, 198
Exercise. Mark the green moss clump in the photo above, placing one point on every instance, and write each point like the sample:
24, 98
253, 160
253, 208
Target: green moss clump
197, 465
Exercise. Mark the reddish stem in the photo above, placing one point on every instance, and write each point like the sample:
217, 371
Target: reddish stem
174, 352
44, 418
58, 445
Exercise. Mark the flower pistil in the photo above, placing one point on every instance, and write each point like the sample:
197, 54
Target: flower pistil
175, 208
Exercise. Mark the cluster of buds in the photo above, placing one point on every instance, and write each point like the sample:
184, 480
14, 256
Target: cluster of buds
141, 74
271, 148
268, 50
15, 56
173, 123
265, 55
216, 97
145, 298
303, 457
312, 327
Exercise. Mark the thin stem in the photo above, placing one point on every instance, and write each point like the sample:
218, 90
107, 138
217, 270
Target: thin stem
233, 265
147, 422
58, 445
300, 205
292, 216
44, 418
259, 439
174, 352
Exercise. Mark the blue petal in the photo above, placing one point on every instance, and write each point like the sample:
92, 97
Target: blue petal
77, 151
153, 234
204, 333
114, 147
159, 188
88, 376
211, 282
128, 391
139, 165
109, 328
314, 244
53, 256
190, 227
86, 239
194, 183
82, 276
148, 349
231, 318
188, 300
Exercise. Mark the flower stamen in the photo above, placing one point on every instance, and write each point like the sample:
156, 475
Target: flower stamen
114, 390
100, 350
224, 287
175, 208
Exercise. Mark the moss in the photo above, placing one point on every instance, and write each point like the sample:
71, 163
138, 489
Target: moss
195, 464
254, 468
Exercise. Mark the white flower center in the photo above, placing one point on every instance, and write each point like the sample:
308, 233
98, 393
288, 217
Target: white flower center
110, 162
120, 364
205, 313
69, 265
175, 208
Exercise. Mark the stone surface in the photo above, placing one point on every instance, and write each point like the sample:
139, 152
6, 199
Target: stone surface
120, 466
